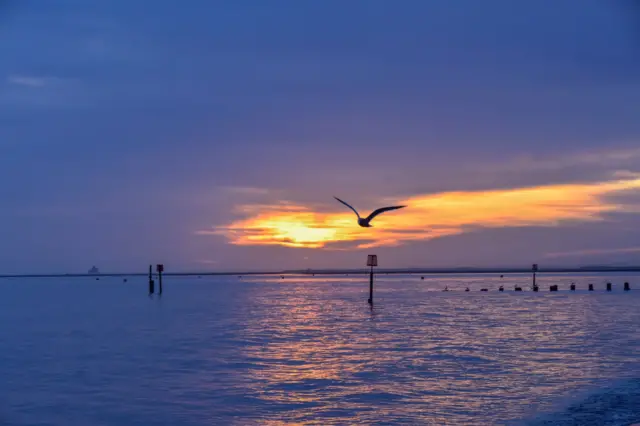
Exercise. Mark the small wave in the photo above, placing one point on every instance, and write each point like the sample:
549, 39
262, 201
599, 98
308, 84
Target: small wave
618, 405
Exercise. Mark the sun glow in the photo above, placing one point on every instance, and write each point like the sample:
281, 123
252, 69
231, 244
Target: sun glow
428, 216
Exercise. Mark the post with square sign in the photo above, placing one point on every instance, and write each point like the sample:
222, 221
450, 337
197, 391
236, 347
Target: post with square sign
372, 260
160, 269
534, 269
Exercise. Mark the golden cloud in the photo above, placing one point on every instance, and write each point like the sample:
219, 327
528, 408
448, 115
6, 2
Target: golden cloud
427, 216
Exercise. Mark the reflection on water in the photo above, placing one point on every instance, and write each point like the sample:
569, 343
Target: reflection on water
309, 350
426, 356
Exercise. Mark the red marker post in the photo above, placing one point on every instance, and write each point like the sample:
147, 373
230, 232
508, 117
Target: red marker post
372, 260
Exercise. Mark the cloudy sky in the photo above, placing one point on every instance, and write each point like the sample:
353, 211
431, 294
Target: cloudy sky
213, 135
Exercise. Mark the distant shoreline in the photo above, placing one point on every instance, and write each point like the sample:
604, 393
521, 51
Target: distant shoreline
425, 271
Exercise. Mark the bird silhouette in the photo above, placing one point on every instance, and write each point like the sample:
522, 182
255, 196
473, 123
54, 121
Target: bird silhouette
365, 222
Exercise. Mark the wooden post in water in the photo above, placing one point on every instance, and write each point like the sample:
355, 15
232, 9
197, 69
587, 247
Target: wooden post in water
608, 286
371, 286
151, 283
553, 288
590, 287
534, 269
372, 260
573, 287
626, 286
160, 269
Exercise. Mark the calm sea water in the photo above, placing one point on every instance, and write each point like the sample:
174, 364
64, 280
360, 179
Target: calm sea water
303, 350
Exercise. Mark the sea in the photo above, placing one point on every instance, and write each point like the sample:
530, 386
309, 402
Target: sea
309, 350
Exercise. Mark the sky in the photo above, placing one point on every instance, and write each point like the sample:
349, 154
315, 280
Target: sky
213, 135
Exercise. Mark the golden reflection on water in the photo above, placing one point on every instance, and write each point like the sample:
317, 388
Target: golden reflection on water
421, 356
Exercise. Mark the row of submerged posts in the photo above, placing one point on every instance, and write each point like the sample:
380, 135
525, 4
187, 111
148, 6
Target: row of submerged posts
554, 287
372, 260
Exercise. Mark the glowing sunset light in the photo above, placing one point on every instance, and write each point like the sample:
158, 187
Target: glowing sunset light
428, 216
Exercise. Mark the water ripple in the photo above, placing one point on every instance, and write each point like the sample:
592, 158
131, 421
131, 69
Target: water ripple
309, 351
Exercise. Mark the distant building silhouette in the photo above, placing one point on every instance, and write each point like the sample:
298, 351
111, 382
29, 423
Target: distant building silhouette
94, 270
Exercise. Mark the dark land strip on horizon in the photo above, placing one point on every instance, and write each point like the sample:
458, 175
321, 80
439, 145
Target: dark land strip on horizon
423, 271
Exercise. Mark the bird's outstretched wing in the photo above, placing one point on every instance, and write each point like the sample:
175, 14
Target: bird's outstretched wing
354, 210
382, 210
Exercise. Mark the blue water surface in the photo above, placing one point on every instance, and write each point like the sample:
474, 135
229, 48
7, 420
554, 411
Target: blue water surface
309, 350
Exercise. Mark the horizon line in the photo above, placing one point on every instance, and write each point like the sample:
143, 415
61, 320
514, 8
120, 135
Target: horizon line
339, 271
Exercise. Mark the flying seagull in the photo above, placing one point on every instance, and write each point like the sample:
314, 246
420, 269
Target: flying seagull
366, 221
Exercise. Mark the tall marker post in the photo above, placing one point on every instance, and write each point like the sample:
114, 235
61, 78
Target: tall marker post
534, 269
151, 284
372, 260
160, 269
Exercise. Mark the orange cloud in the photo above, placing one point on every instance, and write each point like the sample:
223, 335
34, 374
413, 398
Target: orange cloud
427, 216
